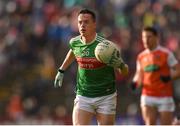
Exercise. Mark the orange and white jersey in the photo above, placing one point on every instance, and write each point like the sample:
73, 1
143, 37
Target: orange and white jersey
151, 65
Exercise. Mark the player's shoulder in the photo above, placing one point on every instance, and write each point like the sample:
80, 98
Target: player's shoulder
164, 49
74, 39
160, 49
142, 53
100, 38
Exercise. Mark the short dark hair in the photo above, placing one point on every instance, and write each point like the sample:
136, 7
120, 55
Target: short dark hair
151, 29
87, 11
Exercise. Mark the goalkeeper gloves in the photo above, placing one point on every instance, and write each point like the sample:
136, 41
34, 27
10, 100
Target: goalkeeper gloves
165, 79
59, 78
116, 61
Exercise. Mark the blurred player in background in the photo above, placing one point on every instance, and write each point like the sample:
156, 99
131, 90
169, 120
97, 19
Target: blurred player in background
96, 91
156, 68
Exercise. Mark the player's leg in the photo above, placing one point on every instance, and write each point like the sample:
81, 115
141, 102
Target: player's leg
148, 110
166, 118
105, 119
83, 110
106, 109
166, 108
176, 121
81, 117
149, 114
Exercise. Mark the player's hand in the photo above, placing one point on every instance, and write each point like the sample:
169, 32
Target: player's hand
116, 62
59, 78
124, 69
133, 86
165, 79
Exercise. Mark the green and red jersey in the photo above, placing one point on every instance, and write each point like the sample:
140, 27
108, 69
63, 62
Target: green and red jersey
94, 78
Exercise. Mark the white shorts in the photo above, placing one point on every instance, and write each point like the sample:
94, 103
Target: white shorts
104, 104
161, 103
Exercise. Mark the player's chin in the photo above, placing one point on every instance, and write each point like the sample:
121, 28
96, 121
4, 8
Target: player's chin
83, 34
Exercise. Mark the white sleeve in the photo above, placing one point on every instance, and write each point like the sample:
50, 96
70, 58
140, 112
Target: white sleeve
171, 59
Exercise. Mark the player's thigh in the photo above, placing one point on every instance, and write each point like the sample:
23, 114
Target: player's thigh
106, 109
166, 107
105, 119
148, 109
166, 118
149, 114
83, 110
81, 117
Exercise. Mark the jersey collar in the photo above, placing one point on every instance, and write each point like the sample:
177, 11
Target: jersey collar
89, 42
157, 47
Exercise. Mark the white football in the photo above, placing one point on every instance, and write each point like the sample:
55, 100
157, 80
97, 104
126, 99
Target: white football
105, 51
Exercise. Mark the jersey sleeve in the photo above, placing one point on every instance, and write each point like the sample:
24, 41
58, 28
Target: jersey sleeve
171, 59
70, 43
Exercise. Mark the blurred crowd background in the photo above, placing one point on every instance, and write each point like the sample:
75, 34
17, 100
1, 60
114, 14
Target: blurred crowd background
34, 37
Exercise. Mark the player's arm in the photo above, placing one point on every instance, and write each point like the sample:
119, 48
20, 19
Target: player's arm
175, 69
175, 74
60, 74
68, 60
138, 77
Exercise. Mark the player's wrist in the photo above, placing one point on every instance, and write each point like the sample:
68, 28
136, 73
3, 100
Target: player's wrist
133, 85
61, 71
121, 65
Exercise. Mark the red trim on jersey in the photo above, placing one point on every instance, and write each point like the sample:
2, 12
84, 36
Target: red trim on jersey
89, 62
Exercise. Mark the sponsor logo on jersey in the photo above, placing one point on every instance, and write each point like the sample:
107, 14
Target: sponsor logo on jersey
89, 62
151, 68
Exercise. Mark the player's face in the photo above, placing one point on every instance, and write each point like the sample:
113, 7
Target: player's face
149, 40
86, 25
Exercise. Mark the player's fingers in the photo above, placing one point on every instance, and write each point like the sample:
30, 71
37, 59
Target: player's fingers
56, 83
60, 83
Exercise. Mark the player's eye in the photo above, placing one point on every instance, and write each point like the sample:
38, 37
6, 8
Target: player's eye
80, 22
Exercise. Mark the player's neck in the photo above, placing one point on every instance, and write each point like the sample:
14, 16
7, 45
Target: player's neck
88, 39
154, 47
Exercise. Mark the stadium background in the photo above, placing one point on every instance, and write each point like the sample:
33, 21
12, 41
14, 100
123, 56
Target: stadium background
34, 37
